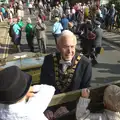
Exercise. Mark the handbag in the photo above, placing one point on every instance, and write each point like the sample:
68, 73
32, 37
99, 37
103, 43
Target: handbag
101, 50
91, 35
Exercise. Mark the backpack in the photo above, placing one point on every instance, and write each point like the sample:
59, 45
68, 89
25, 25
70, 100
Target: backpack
91, 35
11, 31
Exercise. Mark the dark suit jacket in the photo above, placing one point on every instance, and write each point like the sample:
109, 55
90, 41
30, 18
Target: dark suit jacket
81, 77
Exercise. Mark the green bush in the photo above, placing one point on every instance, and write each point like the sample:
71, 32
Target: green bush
116, 2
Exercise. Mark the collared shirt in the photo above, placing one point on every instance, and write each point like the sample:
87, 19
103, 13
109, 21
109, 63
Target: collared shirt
65, 64
57, 27
31, 110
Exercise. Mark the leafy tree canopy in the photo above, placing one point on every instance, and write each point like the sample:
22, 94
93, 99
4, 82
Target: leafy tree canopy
116, 2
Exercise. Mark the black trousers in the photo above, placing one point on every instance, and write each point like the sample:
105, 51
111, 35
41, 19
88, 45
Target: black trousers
30, 10
95, 52
30, 42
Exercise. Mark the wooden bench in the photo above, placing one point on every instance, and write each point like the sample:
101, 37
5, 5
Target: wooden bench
96, 96
30, 64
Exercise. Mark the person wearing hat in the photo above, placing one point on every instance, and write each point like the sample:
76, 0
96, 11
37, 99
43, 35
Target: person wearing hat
111, 100
18, 99
57, 29
29, 34
98, 41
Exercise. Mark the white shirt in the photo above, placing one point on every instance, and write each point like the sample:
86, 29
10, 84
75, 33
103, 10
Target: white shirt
30, 5
73, 11
31, 110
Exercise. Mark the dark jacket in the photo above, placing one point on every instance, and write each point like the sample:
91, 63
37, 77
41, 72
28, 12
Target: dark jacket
81, 77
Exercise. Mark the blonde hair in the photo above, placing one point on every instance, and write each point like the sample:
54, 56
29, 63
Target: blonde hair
57, 19
66, 33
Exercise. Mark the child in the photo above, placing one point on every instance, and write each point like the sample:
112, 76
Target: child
111, 101
18, 99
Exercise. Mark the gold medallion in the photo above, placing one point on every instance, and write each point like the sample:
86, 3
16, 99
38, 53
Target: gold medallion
64, 79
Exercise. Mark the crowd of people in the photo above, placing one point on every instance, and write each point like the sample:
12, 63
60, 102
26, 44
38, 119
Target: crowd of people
84, 20
63, 71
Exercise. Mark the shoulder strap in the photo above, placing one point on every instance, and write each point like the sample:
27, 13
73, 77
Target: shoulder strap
57, 28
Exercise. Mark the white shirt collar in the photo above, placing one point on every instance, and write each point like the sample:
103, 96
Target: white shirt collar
68, 62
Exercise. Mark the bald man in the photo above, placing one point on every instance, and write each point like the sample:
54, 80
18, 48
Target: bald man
66, 70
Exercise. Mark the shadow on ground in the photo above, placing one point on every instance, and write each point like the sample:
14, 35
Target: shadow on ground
108, 68
107, 47
104, 80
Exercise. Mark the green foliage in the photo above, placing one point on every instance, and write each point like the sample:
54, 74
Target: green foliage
116, 2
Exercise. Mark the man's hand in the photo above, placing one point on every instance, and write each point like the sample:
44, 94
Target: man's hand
85, 93
49, 114
60, 111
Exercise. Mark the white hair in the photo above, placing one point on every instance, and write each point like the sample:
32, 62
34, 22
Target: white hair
113, 5
29, 20
112, 97
66, 33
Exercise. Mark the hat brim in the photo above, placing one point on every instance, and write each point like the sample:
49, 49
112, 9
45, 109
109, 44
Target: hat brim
28, 79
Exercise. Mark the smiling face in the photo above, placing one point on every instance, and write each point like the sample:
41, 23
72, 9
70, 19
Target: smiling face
66, 46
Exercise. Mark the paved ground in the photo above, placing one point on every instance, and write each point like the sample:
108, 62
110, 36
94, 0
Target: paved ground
112, 37
108, 69
4, 40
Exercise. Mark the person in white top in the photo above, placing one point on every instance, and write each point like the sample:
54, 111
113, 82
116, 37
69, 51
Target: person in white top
30, 6
19, 100
111, 101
